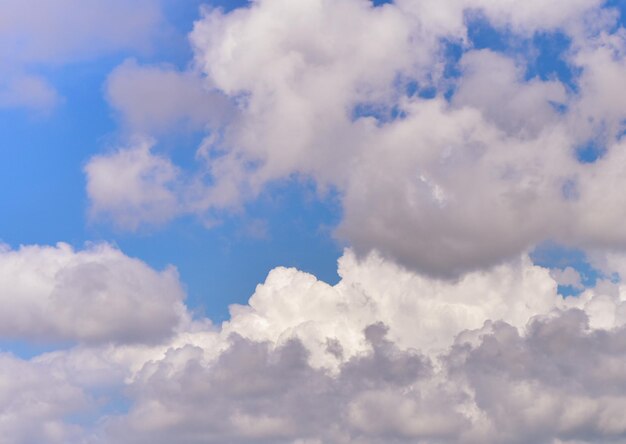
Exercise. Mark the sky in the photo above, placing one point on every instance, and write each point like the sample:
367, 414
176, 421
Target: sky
312, 221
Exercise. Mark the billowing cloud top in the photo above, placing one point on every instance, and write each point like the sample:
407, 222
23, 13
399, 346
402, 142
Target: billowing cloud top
385, 355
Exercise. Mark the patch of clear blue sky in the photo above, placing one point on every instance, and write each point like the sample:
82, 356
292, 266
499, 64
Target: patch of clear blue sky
552, 255
590, 151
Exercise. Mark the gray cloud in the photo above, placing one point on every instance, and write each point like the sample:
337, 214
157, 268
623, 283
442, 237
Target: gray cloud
561, 382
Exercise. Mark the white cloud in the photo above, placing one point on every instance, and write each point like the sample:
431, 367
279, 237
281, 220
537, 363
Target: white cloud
442, 370
448, 187
132, 184
94, 295
422, 313
493, 84
67, 29
385, 355
535, 14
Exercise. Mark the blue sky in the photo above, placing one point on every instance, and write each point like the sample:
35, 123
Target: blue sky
413, 203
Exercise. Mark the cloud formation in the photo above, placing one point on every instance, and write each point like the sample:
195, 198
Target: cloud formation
434, 170
386, 355
449, 171
95, 295
133, 184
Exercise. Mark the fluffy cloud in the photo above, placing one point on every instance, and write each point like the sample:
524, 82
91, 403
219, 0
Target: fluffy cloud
494, 85
94, 295
132, 184
422, 313
440, 185
385, 355
451, 163
306, 362
568, 277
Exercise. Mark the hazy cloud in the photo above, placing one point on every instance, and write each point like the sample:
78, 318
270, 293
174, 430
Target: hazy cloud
38, 34
155, 99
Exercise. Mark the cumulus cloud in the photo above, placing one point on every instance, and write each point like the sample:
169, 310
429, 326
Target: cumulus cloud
386, 355
133, 184
94, 295
568, 277
422, 313
494, 84
482, 172
284, 372
504, 387
418, 187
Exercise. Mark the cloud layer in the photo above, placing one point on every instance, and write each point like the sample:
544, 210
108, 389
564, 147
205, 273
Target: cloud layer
385, 355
